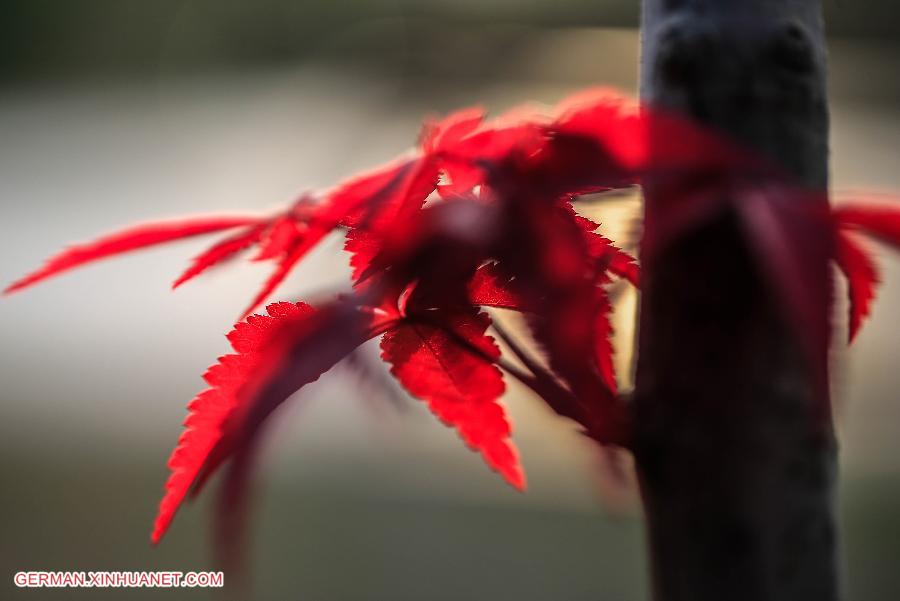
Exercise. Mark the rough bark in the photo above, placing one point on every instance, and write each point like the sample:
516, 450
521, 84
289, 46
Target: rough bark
736, 469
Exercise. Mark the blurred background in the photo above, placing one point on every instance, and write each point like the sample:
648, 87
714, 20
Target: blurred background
117, 111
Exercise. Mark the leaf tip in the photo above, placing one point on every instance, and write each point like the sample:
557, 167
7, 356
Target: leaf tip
516, 479
159, 530
20, 284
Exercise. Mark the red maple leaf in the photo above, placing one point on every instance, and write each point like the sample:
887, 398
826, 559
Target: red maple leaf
142, 236
451, 366
862, 277
209, 411
879, 221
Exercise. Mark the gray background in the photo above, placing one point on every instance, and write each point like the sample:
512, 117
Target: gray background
116, 112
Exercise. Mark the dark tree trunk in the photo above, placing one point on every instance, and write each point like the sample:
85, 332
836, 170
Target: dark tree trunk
737, 471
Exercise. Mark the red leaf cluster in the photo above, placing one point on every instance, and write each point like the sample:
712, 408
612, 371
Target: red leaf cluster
480, 216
